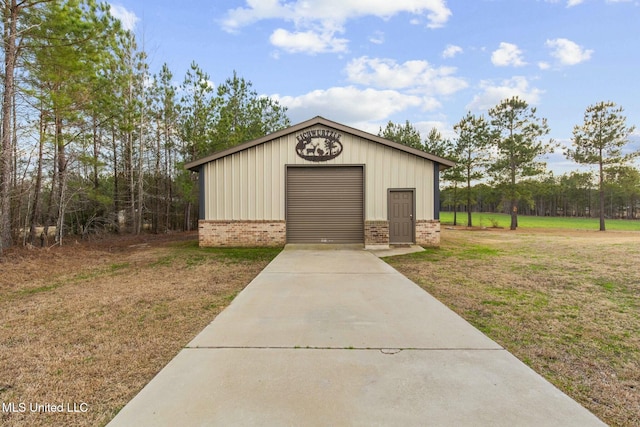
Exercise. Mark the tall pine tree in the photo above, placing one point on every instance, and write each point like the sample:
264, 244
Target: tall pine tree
600, 141
471, 152
517, 138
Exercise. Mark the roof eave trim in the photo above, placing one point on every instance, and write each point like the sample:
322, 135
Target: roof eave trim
195, 165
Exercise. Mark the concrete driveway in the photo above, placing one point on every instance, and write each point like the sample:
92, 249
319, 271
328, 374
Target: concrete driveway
332, 337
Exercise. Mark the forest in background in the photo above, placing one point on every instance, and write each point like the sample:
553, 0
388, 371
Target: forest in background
499, 164
93, 141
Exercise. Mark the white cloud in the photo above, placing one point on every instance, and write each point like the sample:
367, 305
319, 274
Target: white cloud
571, 3
543, 65
451, 50
414, 76
492, 93
568, 52
391, 88
348, 104
307, 42
126, 17
377, 38
322, 19
507, 54
301, 11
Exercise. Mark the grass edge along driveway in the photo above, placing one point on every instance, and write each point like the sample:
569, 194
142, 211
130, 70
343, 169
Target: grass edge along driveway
567, 303
88, 326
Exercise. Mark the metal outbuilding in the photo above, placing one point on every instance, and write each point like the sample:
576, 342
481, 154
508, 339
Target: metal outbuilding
319, 182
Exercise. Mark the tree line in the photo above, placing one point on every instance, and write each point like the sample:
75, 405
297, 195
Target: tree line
500, 164
92, 141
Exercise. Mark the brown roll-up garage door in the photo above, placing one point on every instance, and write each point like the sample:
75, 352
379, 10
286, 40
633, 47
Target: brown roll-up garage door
325, 204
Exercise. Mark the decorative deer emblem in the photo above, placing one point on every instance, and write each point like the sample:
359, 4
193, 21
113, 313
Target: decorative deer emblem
326, 146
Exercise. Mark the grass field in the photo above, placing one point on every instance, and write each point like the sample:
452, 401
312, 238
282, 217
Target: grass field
92, 324
567, 303
482, 219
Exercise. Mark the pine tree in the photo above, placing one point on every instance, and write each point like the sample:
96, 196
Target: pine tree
471, 152
600, 140
16, 25
71, 46
405, 134
516, 137
242, 115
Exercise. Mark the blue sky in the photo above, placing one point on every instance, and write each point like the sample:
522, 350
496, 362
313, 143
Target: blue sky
365, 62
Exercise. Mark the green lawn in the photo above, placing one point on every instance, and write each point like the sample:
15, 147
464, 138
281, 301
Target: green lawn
482, 219
565, 302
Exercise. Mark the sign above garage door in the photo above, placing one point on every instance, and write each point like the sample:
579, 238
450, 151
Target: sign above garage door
319, 145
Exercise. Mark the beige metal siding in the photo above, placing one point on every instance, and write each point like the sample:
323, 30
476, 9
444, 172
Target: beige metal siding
324, 204
231, 181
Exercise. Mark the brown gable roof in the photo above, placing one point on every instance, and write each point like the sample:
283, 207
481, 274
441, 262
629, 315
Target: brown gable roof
444, 163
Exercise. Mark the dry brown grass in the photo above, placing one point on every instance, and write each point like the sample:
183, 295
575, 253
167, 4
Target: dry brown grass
566, 303
93, 323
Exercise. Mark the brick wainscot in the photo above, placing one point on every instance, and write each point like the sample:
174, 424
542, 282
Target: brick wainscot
428, 232
376, 234
241, 233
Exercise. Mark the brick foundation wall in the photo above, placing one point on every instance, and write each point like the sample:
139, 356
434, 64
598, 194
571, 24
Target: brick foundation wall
241, 233
376, 233
427, 232
214, 233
